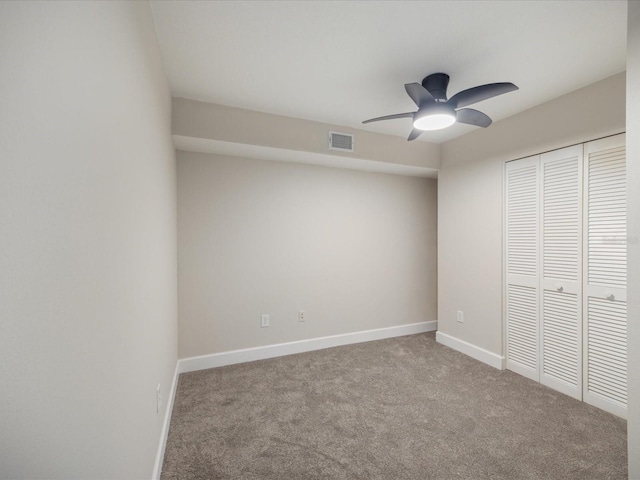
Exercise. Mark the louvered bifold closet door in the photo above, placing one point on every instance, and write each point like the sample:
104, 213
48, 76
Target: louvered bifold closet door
605, 276
522, 250
561, 273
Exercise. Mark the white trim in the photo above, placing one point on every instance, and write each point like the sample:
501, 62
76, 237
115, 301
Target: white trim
606, 404
485, 356
523, 370
270, 351
157, 468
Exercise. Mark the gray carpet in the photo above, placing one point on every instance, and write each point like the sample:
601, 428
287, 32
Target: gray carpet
403, 408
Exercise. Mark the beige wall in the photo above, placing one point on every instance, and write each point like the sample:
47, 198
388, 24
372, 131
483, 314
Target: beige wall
87, 240
470, 200
633, 219
217, 122
354, 250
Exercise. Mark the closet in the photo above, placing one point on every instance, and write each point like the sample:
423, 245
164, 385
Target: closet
565, 271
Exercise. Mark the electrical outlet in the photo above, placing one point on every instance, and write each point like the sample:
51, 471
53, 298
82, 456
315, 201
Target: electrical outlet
460, 317
158, 399
301, 315
264, 321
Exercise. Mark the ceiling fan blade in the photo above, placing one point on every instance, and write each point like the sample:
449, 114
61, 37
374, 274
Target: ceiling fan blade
483, 92
390, 117
473, 117
415, 133
418, 94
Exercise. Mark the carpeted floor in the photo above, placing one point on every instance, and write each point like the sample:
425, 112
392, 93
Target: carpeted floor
403, 408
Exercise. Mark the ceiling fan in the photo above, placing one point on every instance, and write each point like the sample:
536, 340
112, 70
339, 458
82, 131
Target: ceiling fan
435, 112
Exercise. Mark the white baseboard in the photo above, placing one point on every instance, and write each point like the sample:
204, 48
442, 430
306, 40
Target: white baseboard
157, 468
270, 351
480, 354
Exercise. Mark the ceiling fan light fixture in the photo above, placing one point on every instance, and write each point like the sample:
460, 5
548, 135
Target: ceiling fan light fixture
434, 117
434, 121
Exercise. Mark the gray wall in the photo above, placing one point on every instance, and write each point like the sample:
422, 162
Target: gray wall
633, 219
354, 250
470, 200
87, 240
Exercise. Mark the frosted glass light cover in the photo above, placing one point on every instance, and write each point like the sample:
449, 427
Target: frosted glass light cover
436, 121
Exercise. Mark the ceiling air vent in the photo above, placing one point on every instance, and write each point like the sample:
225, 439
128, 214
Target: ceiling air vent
341, 141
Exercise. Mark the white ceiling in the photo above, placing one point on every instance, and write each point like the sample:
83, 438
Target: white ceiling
342, 62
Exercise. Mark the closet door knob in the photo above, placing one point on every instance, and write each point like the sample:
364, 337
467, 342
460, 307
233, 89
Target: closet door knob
559, 288
609, 296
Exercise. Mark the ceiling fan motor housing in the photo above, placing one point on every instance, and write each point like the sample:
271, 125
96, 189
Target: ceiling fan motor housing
436, 84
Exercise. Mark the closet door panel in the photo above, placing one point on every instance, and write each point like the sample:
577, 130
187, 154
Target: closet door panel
605, 276
522, 266
561, 272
